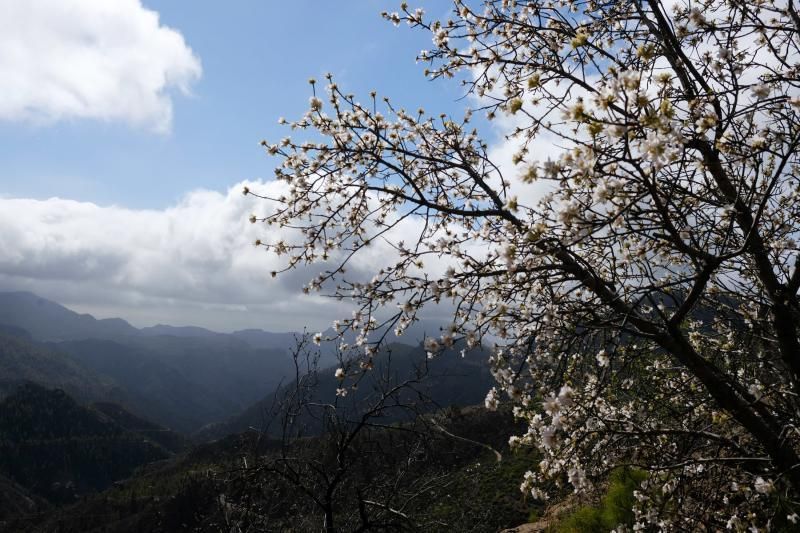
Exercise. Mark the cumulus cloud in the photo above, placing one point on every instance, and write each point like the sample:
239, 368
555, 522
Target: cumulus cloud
192, 263
90, 59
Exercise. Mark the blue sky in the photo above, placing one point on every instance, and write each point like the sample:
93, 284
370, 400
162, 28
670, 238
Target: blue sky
128, 129
256, 58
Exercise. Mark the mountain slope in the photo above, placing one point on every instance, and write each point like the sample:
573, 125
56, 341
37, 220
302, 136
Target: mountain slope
48, 321
448, 380
182, 377
258, 338
153, 386
445, 484
167, 439
22, 360
58, 449
237, 372
16, 501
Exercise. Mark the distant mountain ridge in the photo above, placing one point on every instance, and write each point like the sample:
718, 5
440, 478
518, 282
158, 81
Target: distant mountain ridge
46, 320
178, 331
183, 377
155, 388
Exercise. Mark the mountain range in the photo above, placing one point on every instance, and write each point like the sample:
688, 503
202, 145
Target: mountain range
181, 377
91, 405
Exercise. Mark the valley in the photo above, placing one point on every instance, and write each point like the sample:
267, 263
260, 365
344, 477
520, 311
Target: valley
165, 423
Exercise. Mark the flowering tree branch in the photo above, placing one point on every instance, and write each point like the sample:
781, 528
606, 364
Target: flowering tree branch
637, 263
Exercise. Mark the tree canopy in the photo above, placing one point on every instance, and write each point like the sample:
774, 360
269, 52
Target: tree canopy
636, 265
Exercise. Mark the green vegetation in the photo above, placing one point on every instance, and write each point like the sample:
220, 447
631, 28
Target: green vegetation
459, 486
60, 450
486, 493
615, 508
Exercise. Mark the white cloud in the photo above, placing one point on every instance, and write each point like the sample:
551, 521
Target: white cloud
544, 146
192, 263
107, 60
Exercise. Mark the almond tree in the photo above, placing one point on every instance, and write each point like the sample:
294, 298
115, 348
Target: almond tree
636, 265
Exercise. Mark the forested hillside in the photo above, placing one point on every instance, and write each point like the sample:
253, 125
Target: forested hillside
22, 359
451, 485
60, 450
